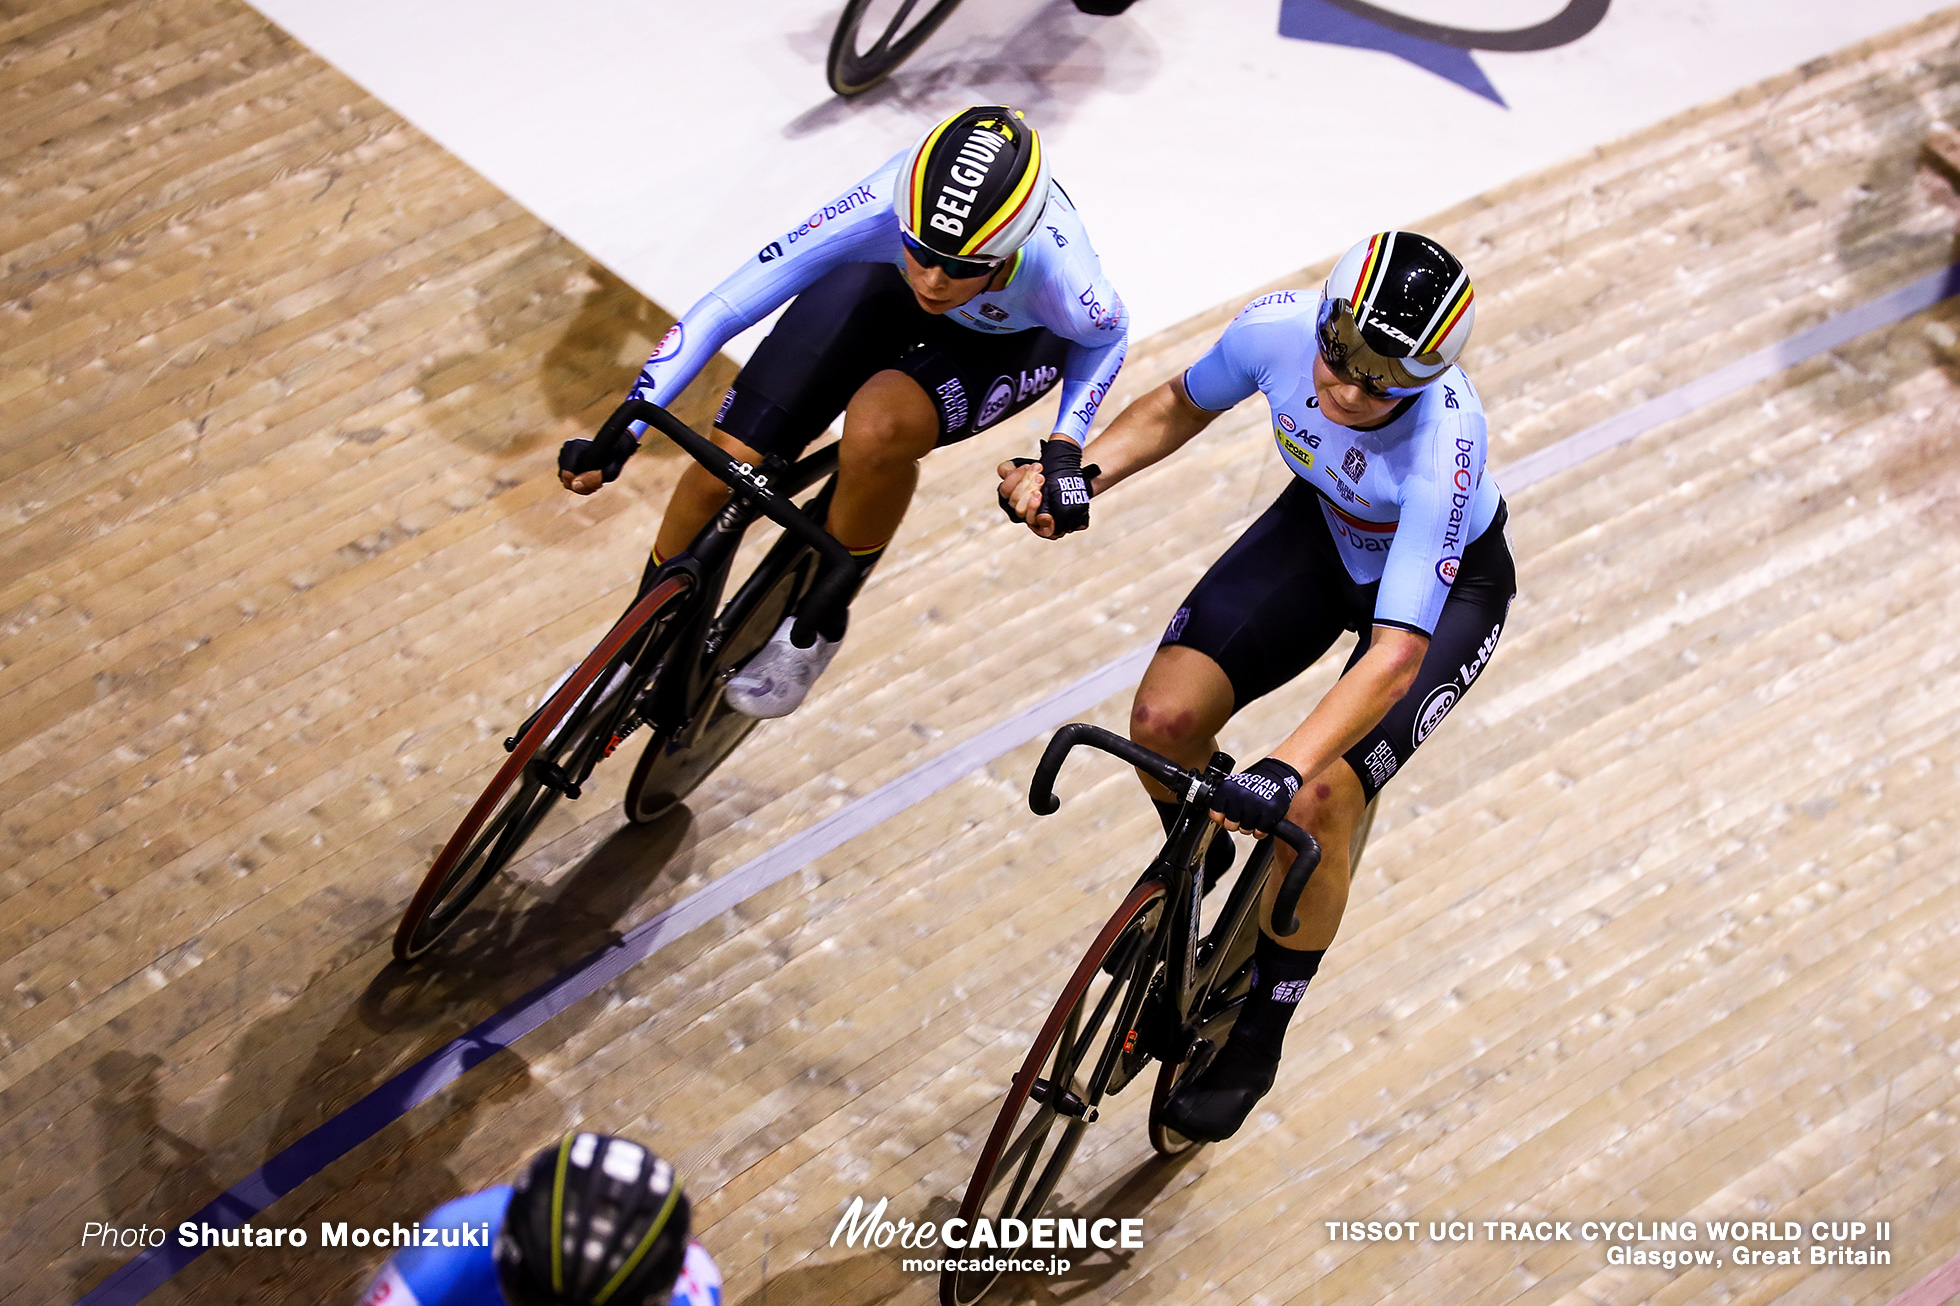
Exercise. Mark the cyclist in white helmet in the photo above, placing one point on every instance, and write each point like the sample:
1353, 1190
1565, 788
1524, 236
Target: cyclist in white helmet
1390, 527
948, 290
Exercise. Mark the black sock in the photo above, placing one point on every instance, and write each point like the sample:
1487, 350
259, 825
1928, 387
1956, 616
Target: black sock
832, 625
1279, 980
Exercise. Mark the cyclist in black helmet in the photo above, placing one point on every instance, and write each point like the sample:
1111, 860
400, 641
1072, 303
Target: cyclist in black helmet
945, 292
594, 1220
1390, 528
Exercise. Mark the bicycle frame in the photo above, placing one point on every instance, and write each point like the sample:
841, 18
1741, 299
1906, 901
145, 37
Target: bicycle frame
755, 492
1191, 972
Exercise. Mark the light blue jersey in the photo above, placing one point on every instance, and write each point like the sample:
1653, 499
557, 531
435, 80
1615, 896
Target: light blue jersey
464, 1273
1402, 501
1055, 281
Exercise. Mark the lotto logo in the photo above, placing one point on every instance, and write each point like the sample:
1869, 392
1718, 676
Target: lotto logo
1289, 991
1175, 631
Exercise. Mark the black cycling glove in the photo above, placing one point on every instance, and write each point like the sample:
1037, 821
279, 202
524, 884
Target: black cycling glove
579, 456
1257, 797
1065, 485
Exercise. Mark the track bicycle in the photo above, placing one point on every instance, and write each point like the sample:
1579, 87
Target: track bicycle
663, 666
1153, 986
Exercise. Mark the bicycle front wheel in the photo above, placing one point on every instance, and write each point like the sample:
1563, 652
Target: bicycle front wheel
1081, 1046
521, 793
875, 36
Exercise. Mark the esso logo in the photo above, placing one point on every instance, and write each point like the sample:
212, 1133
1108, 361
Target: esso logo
670, 344
1446, 571
1287, 423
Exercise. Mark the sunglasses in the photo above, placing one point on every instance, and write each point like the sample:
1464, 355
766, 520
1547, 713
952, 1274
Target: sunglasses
1351, 358
959, 269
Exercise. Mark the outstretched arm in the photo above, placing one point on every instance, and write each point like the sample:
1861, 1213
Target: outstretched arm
1148, 431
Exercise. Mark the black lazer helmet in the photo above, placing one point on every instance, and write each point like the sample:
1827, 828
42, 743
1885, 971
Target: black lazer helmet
593, 1221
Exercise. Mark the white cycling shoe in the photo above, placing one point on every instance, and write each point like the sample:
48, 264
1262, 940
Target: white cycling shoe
778, 678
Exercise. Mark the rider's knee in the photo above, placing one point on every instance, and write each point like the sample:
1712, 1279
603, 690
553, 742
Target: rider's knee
1162, 724
889, 421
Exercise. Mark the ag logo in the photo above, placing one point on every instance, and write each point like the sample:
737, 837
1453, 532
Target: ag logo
1446, 571
1176, 628
670, 344
1434, 708
999, 395
1355, 464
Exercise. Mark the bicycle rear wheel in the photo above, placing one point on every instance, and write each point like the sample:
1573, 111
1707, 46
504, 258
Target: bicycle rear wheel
1043, 1118
896, 28
518, 795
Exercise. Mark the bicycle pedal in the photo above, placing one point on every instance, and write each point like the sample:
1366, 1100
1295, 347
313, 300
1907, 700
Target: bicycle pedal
1064, 1104
553, 776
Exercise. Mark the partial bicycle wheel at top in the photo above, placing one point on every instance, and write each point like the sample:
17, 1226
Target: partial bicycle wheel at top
875, 36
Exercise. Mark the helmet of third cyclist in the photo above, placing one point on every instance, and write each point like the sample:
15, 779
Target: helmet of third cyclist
972, 190
593, 1221
1395, 313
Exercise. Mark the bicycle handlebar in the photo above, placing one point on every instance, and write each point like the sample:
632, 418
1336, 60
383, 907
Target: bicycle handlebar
839, 569
1191, 784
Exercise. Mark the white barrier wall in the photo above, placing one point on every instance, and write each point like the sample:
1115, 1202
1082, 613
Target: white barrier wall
1211, 144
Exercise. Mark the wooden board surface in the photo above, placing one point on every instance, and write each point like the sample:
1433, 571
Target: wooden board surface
1659, 925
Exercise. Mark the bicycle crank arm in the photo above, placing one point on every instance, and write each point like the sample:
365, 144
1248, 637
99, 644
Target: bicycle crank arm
1066, 1104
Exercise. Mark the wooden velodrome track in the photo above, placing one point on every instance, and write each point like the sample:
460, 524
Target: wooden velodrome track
1661, 924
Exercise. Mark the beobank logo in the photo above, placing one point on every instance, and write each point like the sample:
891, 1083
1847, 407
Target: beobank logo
856, 199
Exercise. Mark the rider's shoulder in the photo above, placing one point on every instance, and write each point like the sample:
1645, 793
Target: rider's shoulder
700, 1280
1279, 306
1450, 396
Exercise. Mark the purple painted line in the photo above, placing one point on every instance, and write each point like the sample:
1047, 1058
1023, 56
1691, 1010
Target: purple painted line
149, 1269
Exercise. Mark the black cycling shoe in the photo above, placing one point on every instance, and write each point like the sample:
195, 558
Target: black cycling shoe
1210, 1107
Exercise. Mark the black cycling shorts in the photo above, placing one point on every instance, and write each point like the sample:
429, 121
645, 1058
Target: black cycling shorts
1281, 596
861, 319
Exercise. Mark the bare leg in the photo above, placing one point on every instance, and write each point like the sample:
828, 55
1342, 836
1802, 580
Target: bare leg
698, 497
890, 424
1183, 702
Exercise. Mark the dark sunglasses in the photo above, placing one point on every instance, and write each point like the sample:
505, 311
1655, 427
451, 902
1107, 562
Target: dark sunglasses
959, 269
